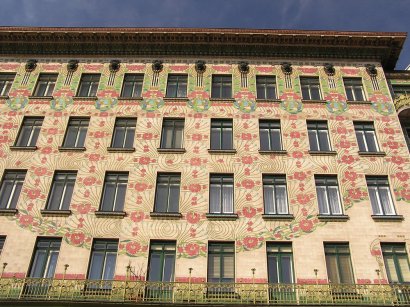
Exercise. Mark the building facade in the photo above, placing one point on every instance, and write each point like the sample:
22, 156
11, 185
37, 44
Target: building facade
220, 159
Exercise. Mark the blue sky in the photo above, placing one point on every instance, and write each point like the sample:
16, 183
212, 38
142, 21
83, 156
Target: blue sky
356, 15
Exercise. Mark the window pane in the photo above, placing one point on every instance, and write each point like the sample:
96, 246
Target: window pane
324, 140
155, 268
273, 276
161, 201
216, 138
15, 196
39, 264
167, 137
334, 200
109, 269
179, 133
287, 274
227, 198
349, 94
268, 199
119, 136
374, 200
174, 198
403, 263
34, 136
391, 269
371, 141
281, 201
386, 201
169, 264
214, 268
96, 265
332, 270
108, 197
322, 200
81, 137
215, 199
264, 138
227, 138
346, 275
228, 267
361, 141
56, 196
314, 146
52, 263
129, 138
6, 193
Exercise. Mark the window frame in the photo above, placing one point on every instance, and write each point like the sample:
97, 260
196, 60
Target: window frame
169, 177
221, 122
265, 87
3, 178
92, 83
179, 84
395, 255
126, 128
45, 266
223, 85
319, 145
280, 254
271, 129
3, 239
113, 209
221, 177
52, 187
134, 82
78, 127
353, 87
32, 133
49, 83
377, 185
221, 253
364, 138
173, 128
163, 253
106, 285
326, 185
309, 87
8, 84
337, 246
275, 184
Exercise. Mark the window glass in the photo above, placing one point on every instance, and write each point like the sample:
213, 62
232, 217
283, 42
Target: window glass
275, 196
222, 86
45, 258
338, 263
328, 197
172, 133
380, 195
366, 137
88, 85
102, 262
6, 81
114, 191
10, 189
124, 132
221, 134
318, 136
354, 89
45, 85
221, 194
167, 193
177, 86
310, 88
270, 135
266, 87
132, 86
29, 131
221, 262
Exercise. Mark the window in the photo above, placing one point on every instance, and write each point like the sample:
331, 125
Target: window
266, 87
222, 86
2, 241
88, 85
399, 90
280, 263
29, 132
221, 194
76, 132
132, 86
366, 136
45, 258
221, 134
310, 88
124, 132
102, 261
167, 193
10, 188
274, 194
61, 191
318, 136
328, 198
221, 262
45, 85
270, 136
354, 89
177, 86
6, 81
338, 264
380, 196
161, 264
115, 186
172, 133
396, 262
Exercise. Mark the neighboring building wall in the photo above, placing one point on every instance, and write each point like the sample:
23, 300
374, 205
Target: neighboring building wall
194, 230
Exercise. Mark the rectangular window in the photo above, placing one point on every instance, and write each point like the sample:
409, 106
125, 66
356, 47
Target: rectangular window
45, 85
310, 88
102, 261
88, 85
44, 261
61, 190
328, 197
338, 264
280, 263
318, 136
6, 81
221, 262
270, 136
132, 86
113, 196
396, 262
221, 134
29, 131
161, 264
2, 241
380, 196
76, 132
399, 90
177, 86
266, 87
366, 136
354, 89
275, 197
221, 194
167, 193
10, 189
172, 133
124, 133
222, 86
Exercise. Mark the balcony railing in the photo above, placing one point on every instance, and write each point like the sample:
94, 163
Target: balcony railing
140, 292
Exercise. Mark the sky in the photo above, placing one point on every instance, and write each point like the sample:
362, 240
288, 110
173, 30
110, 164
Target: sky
352, 15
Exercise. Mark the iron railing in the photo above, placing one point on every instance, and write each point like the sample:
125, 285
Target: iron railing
139, 292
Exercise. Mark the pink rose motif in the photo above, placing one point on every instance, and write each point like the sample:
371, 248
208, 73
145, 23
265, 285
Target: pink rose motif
295, 134
77, 238
147, 136
297, 154
40, 171
405, 194
344, 144
88, 181
299, 176
389, 130
302, 199
341, 130
195, 161
99, 134
26, 220
196, 137
7, 126
132, 248
248, 184
355, 193
247, 160
397, 160
46, 150
94, 157
402, 176
193, 217
250, 242
347, 159
393, 145
137, 217
376, 252
306, 225
192, 249
140, 187
52, 131
351, 176
194, 187
4, 139
33, 194
144, 160
84, 208
249, 212
246, 136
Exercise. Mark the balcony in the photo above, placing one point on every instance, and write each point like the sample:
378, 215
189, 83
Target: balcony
42, 292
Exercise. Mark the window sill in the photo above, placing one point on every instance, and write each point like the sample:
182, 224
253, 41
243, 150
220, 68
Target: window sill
40, 97
221, 216
63, 149
359, 102
85, 98
129, 98
45, 212
119, 149
313, 101
388, 218
110, 214
165, 215
273, 100
25, 148
4, 97
222, 99
176, 98
278, 217
8, 211
222, 151
333, 218
322, 153
172, 150
273, 152
372, 153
